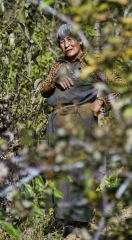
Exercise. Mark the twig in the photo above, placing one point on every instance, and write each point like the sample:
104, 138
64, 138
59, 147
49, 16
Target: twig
8, 25
63, 18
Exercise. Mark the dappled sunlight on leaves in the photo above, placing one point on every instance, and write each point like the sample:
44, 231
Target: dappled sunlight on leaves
30, 171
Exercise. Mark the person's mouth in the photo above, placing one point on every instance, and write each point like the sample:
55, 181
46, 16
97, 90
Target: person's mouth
69, 50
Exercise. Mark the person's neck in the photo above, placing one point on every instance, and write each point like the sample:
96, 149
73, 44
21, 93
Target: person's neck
73, 58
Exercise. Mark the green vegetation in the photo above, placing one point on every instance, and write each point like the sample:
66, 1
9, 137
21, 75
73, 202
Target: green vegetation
27, 50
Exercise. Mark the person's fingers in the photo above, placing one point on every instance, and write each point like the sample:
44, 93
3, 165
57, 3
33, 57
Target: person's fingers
96, 106
70, 81
63, 85
65, 82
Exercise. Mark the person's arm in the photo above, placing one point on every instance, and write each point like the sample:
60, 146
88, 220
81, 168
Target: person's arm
52, 80
48, 86
112, 78
116, 83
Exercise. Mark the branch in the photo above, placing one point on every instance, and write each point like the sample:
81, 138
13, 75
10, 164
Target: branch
126, 12
62, 18
8, 25
109, 206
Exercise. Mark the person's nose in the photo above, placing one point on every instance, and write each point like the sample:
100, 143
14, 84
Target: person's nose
66, 43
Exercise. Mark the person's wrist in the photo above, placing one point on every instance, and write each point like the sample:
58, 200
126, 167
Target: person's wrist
53, 84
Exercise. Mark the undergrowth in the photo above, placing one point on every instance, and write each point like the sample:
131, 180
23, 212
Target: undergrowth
34, 227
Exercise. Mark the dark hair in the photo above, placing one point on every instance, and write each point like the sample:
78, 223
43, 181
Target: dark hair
64, 30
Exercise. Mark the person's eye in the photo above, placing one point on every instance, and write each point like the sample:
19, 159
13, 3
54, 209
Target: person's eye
69, 38
61, 41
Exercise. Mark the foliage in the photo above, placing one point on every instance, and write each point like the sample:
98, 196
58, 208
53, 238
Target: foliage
28, 49
12, 231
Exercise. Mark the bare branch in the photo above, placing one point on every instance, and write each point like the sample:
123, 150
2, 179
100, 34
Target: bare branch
63, 18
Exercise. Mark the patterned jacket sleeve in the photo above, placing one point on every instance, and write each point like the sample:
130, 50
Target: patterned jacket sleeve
47, 88
114, 80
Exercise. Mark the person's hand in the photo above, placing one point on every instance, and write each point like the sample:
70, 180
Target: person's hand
96, 106
64, 81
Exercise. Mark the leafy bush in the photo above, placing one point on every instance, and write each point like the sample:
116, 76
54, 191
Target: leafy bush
28, 49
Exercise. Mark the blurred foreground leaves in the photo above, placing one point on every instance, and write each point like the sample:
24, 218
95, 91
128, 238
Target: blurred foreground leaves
27, 50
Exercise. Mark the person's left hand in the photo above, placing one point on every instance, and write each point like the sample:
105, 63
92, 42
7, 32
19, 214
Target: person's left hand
65, 82
96, 106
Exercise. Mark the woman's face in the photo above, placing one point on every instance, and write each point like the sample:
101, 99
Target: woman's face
71, 47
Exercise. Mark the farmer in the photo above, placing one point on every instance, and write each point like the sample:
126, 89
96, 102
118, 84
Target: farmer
69, 95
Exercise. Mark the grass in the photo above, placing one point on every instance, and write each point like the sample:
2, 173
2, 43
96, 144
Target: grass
40, 228
36, 228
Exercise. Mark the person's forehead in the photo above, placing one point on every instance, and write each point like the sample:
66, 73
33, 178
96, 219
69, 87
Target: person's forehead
68, 36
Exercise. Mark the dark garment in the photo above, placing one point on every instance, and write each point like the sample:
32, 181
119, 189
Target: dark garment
80, 115
81, 92
73, 205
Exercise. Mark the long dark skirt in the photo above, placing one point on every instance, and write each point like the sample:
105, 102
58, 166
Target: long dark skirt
73, 205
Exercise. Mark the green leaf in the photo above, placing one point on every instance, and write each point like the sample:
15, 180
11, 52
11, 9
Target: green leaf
2, 6
39, 183
2, 141
38, 209
48, 2
70, 179
29, 190
57, 193
26, 5
50, 184
128, 112
13, 231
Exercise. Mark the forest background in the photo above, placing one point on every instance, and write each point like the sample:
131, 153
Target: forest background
27, 50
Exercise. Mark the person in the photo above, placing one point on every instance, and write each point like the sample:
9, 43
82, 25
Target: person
69, 95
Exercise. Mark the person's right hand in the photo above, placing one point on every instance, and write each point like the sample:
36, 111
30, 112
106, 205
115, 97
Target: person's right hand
64, 81
96, 106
